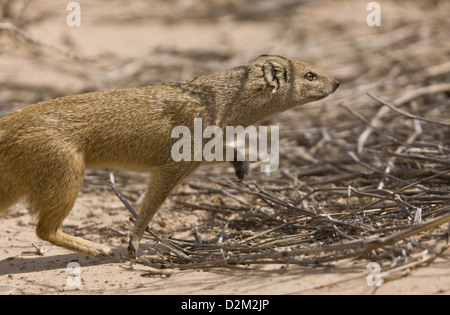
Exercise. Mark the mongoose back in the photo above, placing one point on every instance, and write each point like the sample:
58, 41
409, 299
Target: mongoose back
45, 147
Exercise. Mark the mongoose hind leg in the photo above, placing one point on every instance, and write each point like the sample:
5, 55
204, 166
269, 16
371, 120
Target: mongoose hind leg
8, 195
51, 202
73, 243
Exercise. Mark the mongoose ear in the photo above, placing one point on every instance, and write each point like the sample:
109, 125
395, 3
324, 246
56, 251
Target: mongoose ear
275, 74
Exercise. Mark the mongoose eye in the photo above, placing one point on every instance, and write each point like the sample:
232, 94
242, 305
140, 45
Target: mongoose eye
310, 76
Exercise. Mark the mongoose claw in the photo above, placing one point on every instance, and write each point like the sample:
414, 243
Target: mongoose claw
102, 250
241, 168
131, 250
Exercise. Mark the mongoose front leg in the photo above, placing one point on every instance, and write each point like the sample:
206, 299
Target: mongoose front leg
241, 168
162, 182
239, 163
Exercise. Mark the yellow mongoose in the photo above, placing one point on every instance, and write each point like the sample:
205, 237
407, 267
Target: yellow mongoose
45, 147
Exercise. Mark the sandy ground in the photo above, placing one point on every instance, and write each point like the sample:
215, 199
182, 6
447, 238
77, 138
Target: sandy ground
112, 37
24, 271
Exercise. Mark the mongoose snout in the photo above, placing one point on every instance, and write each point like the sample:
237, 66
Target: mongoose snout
336, 85
46, 147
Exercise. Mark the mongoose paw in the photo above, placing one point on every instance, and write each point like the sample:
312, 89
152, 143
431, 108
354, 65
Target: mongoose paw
241, 168
86, 247
131, 249
104, 251
96, 250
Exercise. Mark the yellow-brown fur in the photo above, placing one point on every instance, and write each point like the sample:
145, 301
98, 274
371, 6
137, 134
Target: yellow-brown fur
45, 147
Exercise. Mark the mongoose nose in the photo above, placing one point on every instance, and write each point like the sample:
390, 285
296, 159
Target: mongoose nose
336, 84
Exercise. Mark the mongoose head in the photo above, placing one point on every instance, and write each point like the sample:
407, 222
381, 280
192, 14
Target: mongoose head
293, 81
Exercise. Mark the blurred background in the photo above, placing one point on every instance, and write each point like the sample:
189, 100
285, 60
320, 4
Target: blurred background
124, 43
